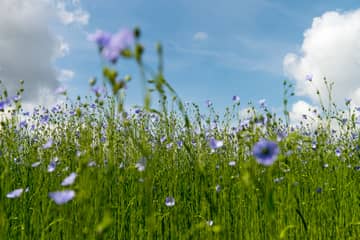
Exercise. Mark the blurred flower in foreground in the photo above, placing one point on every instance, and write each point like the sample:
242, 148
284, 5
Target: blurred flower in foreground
265, 152
69, 180
15, 194
100, 37
170, 202
62, 197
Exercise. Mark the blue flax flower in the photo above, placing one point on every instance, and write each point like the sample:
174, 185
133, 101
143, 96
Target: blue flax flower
62, 197
265, 152
15, 194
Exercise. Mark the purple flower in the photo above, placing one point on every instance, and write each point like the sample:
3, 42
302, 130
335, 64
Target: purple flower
262, 103
62, 197
118, 42
265, 152
69, 180
15, 194
236, 98
338, 152
52, 166
4, 103
23, 124
100, 37
215, 144
48, 144
208, 103
170, 202
44, 119
309, 77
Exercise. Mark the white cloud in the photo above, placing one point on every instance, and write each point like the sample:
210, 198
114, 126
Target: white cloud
63, 48
66, 75
77, 15
200, 36
302, 111
29, 48
331, 49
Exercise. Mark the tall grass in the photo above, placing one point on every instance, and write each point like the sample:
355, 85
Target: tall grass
146, 174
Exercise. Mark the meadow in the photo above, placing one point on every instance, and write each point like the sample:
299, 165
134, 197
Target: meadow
94, 169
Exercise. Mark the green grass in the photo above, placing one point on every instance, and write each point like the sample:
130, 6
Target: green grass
311, 191
116, 201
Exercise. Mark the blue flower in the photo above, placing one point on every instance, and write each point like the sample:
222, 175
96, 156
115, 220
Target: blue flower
15, 194
170, 202
48, 144
62, 197
309, 77
69, 180
215, 144
265, 152
100, 37
236, 98
118, 42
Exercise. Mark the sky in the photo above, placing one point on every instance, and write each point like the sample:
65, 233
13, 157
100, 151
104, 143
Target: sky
213, 50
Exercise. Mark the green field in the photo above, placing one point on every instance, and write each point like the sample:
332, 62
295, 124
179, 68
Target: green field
176, 173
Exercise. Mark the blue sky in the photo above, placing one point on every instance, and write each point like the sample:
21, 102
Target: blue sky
213, 50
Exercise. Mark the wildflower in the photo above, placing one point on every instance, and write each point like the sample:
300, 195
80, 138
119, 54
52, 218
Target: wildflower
23, 124
2, 105
215, 144
218, 188
236, 98
117, 43
262, 103
101, 38
210, 223
279, 179
337, 152
313, 145
169, 145
52, 166
179, 144
170, 202
140, 165
92, 164
208, 103
15, 194
44, 119
69, 180
232, 163
62, 197
265, 152
162, 139
319, 190
48, 144
309, 77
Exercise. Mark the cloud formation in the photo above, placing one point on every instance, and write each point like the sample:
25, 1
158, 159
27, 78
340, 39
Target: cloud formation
77, 15
29, 48
331, 49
